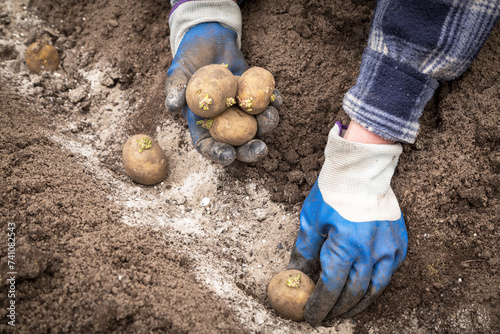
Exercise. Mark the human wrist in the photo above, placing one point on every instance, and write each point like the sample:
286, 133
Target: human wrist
359, 134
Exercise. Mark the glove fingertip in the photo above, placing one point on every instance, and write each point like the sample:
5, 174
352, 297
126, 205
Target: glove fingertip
173, 106
278, 99
176, 98
226, 158
218, 152
319, 304
267, 121
253, 151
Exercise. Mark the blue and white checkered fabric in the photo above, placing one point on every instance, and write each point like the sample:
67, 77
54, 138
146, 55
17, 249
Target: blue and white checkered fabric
412, 45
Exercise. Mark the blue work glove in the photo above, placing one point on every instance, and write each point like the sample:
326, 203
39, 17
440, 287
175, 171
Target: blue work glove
204, 44
351, 225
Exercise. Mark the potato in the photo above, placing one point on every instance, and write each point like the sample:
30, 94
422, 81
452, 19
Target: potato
211, 90
288, 292
41, 56
255, 90
233, 126
144, 160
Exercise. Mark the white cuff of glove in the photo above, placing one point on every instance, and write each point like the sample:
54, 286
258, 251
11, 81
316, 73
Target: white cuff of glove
192, 13
355, 179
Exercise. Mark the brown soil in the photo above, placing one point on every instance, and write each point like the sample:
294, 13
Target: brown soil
96, 252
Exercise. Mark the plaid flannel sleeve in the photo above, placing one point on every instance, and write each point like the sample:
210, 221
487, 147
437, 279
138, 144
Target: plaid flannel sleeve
412, 45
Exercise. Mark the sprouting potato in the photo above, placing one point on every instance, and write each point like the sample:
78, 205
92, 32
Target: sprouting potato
211, 90
233, 126
288, 293
255, 90
144, 160
41, 56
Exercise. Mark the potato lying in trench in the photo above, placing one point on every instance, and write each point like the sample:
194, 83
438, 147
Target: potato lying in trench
255, 90
144, 160
288, 292
234, 127
41, 56
211, 90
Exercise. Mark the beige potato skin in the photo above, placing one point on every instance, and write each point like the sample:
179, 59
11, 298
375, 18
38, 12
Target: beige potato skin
42, 57
234, 127
217, 82
147, 167
290, 302
255, 85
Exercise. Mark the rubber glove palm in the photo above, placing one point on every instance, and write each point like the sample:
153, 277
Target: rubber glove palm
204, 44
352, 224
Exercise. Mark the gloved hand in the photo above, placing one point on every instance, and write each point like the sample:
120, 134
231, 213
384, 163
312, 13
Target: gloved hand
352, 225
204, 44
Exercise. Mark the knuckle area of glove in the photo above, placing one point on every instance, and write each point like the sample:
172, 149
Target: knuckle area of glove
176, 89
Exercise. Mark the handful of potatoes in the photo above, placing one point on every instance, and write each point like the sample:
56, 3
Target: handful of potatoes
228, 102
